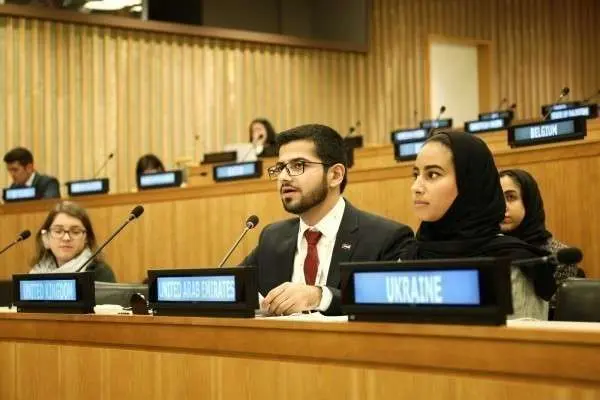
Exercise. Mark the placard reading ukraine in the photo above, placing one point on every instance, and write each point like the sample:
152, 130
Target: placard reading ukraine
458, 287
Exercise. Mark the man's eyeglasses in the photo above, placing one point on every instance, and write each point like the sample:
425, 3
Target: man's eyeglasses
293, 168
58, 232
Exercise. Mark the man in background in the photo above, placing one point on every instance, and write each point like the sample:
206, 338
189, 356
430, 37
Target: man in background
19, 163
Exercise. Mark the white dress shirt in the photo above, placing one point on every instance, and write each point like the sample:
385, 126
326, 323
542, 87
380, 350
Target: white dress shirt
29, 182
328, 226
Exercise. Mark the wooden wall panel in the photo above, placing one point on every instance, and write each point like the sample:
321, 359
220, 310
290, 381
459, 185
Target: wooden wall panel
74, 93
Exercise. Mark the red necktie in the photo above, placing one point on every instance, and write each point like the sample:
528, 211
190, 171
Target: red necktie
311, 262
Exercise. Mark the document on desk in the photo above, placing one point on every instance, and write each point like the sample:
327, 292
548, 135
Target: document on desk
310, 317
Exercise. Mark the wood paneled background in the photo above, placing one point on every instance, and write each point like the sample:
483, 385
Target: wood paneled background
74, 93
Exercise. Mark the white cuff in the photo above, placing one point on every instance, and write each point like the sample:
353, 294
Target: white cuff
326, 297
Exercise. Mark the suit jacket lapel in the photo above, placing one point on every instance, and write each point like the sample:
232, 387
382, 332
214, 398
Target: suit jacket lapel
286, 251
345, 243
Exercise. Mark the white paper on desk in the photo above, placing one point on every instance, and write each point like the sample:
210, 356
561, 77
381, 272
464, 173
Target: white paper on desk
312, 317
8, 309
111, 309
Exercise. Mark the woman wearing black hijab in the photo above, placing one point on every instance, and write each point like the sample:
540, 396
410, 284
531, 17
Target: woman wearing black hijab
459, 200
525, 218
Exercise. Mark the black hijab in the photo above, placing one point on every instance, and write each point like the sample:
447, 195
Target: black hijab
533, 227
471, 226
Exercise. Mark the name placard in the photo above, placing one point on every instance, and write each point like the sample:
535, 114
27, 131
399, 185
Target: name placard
218, 292
19, 194
436, 123
464, 291
88, 187
237, 171
54, 293
220, 288
505, 114
486, 125
219, 157
547, 108
407, 151
48, 290
408, 135
547, 132
588, 112
160, 180
459, 287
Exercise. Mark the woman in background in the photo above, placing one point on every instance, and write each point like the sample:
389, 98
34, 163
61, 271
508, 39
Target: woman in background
262, 137
458, 199
148, 164
66, 241
525, 219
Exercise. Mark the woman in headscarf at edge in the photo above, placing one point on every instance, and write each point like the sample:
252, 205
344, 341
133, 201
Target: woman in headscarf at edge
458, 199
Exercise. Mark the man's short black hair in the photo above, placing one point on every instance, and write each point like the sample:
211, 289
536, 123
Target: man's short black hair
329, 145
20, 155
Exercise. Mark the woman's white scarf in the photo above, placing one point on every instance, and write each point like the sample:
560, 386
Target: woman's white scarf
48, 264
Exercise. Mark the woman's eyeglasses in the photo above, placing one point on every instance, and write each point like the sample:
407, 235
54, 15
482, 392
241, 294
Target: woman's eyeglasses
58, 232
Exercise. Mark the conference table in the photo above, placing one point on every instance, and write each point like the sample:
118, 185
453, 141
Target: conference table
57, 356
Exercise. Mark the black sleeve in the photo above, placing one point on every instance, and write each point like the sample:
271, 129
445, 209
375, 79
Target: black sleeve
250, 259
335, 308
396, 245
103, 273
542, 277
52, 190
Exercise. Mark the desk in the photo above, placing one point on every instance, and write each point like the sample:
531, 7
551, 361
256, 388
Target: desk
136, 357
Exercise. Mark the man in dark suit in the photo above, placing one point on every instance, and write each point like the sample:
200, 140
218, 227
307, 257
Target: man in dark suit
19, 163
298, 259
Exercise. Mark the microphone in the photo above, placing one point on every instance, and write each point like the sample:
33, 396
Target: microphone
593, 96
22, 236
433, 128
110, 156
251, 223
353, 129
569, 255
563, 93
134, 214
442, 111
502, 102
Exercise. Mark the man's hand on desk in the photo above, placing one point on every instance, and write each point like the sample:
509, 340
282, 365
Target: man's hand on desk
290, 298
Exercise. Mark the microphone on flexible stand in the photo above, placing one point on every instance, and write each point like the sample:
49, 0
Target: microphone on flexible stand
352, 129
442, 111
563, 93
437, 120
134, 214
569, 255
251, 223
104, 164
22, 236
